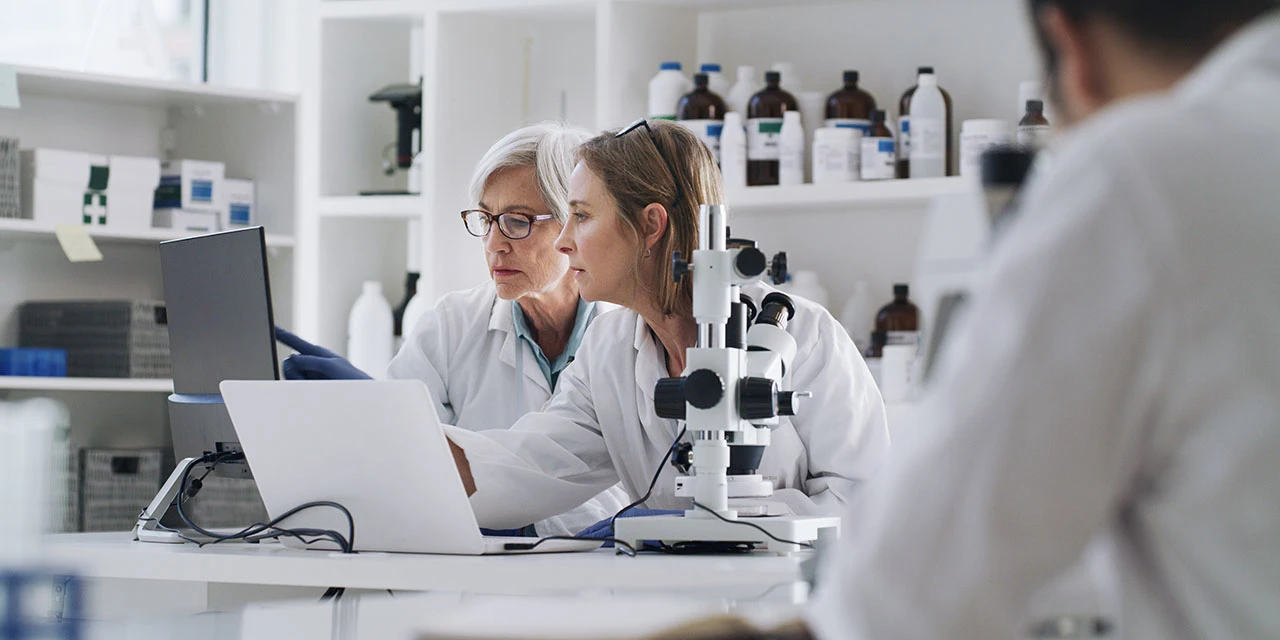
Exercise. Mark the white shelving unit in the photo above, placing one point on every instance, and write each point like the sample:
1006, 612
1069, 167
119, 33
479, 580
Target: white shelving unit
130, 385
489, 66
255, 133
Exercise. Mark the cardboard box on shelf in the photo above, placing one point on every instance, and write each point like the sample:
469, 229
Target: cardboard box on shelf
131, 189
240, 209
184, 220
64, 187
191, 185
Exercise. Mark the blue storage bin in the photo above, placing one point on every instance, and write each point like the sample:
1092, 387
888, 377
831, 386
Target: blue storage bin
48, 363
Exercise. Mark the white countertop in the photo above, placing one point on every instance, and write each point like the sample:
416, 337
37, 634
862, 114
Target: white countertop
117, 556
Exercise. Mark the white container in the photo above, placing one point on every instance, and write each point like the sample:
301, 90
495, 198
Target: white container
665, 91
806, 284
733, 151
739, 97
716, 82
879, 158
976, 137
185, 220
791, 150
371, 331
790, 79
131, 189
240, 210
64, 187
193, 185
859, 315
418, 306
813, 113
836, 155
27, 452
928, 128
897, 368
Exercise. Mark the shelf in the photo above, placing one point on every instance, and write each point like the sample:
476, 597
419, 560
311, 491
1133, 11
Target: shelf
11, 227
407, 206
93, 87
373, 9
141, 385
887, 194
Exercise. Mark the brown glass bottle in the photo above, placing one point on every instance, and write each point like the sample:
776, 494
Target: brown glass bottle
764, 130
1033, 130
851, 106
900, 319
701, 103
876, 349
904, 149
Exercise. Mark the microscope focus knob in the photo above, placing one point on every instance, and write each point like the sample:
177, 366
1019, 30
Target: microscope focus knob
679, 266
704, 389
778, 268
789, 402
668, 398
750, 262
756, 398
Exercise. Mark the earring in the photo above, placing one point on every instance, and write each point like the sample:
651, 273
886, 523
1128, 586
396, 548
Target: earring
648, 252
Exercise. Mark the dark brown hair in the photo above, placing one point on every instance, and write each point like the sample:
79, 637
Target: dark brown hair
635, 175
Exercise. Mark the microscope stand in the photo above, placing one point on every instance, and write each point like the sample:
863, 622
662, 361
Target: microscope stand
682, 528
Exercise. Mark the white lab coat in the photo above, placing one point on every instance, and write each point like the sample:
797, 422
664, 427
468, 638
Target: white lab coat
1117, 379
600, 427
466, 351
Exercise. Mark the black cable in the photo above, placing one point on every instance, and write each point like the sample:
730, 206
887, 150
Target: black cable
529, 546
258, 530
753, 525
332, 593
652, 483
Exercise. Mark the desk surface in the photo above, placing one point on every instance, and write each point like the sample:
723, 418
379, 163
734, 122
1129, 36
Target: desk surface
117, 556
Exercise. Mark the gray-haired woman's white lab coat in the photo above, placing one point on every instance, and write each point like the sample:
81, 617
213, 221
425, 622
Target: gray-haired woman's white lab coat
1117, 381
600, 427
466, 350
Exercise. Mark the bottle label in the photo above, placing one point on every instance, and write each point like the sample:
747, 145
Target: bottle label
850, 123
1033, 136
834, 162
708, 131
928, 139
904, 137
878, 158
663, 116
764, 139
908, 338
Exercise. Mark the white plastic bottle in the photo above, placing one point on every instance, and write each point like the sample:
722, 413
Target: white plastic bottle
836, 152
740, 95
733, 151
665, 90
716, 81
418, 305
806, 284
370, 329
791, 150
928, 129
859, 315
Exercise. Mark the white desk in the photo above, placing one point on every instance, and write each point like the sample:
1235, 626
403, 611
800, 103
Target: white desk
128, 577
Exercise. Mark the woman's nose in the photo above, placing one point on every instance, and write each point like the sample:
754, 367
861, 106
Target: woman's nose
495, 241
564, 241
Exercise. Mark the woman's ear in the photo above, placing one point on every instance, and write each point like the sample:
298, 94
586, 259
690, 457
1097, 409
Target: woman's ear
653, 224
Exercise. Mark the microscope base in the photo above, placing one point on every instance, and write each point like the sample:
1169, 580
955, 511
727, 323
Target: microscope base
682, 528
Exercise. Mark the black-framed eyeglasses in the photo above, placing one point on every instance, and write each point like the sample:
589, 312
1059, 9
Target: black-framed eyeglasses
513, 224
642, 122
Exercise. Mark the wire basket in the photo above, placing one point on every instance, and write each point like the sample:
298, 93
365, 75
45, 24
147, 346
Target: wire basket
102, 338
226, 503
116, 485
10, 178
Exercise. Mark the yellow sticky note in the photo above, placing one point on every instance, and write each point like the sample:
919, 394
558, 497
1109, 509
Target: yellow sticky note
77, 243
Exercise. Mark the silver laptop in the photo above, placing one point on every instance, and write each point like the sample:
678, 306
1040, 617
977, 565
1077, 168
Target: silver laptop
375, 447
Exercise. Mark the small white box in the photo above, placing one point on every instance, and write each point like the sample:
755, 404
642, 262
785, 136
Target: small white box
64, 187
192, 185
184, 220
239, 210
131, 190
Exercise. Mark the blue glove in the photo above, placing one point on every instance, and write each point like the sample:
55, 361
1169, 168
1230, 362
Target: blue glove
315, 363
604, 528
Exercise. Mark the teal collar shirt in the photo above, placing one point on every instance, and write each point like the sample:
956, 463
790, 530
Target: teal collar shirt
550, 369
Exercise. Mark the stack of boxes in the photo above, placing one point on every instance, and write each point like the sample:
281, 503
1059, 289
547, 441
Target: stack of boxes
10, 178
197, 196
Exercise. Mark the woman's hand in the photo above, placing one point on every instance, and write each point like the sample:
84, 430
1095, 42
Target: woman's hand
464, 467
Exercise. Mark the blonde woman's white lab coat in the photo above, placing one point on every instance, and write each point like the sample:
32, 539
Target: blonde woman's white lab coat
600, 427
1117, 381
466, 350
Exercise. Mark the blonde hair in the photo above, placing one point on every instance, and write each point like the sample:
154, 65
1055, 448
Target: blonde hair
547, 147
635, 174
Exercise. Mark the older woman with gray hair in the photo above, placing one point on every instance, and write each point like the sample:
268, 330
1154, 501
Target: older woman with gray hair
493, 353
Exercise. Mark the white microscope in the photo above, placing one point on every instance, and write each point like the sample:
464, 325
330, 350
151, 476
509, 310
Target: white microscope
729, 398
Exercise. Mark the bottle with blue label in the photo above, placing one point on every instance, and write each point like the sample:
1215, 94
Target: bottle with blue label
879, 157
702, 112
904, 126
851, 106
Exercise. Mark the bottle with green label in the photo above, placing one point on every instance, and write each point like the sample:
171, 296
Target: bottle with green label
764, 130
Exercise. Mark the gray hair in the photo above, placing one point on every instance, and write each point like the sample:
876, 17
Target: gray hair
548, 147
